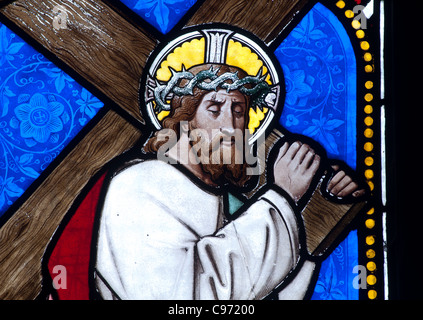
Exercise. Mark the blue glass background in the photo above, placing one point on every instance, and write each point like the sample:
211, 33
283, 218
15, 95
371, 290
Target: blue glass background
162, 14
319, 66
41, 110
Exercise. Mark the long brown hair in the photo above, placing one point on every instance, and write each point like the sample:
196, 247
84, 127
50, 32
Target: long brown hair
183, 108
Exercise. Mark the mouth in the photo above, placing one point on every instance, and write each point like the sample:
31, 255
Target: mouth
222, 143
225, 142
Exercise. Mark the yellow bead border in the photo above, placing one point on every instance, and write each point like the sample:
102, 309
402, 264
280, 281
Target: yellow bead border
369, 161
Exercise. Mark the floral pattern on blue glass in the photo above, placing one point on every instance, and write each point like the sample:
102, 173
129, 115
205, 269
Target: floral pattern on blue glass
162, 14
335, 281
320, 78
319, 69
41, 110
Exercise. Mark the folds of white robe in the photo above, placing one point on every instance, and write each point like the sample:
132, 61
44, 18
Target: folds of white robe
163, 237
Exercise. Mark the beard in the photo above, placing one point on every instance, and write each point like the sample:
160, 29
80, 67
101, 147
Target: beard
221, 173
222, 161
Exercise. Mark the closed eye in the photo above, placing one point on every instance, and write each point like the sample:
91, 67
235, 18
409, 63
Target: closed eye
214, 109
238, 111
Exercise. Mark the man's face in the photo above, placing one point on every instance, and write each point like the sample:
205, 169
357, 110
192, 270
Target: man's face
217, 131
222, 110
221, 116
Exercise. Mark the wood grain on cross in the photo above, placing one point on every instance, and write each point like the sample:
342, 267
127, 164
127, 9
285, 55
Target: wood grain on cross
108, 51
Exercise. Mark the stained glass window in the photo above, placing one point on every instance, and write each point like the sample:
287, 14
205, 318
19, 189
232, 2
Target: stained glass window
43, 109
57, 146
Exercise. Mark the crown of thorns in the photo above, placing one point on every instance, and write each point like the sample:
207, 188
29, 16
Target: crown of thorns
209, 80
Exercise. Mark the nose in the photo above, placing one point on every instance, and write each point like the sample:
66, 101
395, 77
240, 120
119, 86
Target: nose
227, 126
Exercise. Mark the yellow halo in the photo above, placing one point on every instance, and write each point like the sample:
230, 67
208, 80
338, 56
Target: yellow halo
189, 54
242, 57
192, 53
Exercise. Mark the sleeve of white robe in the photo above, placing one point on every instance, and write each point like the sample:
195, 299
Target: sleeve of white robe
250, 256
155, 255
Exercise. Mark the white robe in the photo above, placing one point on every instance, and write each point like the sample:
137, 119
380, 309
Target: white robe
162, 236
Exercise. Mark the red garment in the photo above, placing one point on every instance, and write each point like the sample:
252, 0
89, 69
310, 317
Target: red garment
73, 248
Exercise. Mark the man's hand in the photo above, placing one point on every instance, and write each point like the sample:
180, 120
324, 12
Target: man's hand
294, 168
342, 185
